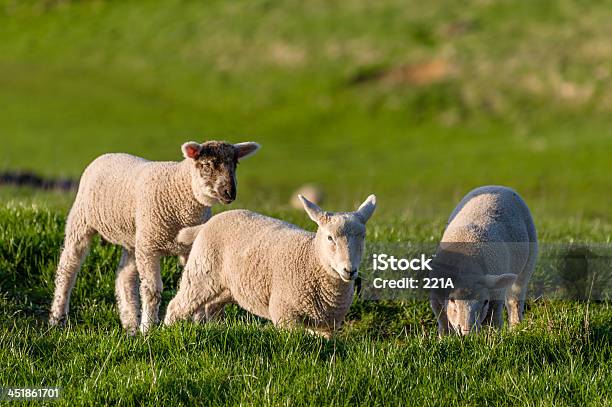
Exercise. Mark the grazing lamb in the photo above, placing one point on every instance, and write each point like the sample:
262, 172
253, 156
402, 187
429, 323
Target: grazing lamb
142, 205
274, 269
489, 251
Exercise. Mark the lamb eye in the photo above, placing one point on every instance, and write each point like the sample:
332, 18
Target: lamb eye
331, 239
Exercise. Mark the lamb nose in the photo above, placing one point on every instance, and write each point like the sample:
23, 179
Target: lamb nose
350, 272
230, 194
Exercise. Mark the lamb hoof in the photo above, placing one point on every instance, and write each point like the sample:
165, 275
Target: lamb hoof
131, 331
321, 334
146, 327
57, 321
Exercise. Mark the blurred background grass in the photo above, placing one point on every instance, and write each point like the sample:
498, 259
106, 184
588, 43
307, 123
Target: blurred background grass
417, 102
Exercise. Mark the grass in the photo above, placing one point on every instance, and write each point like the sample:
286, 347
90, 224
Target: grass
416, 102
388, 353
243, 362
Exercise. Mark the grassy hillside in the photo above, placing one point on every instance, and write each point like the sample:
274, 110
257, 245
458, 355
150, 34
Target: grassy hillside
419, 102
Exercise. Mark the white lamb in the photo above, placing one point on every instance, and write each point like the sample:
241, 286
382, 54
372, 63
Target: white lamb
274, 269
142, 205
488, 251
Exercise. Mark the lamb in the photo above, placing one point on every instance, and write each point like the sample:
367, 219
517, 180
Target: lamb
141, 205
274, 269
488, 252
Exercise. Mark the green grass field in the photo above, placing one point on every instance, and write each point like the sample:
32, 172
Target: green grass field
416, 102
388, 353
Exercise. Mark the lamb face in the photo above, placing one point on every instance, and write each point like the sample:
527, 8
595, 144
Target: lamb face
467, 307
213, 173
340, 238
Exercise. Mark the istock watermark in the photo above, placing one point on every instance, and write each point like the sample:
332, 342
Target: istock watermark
387, 262
383, 262
410, 271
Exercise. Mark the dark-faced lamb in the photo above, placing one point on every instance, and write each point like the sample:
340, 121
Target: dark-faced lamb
142, 205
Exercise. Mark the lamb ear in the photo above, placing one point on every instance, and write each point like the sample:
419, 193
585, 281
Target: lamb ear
366, 209
314, 212
494, 282
244, 150
192, 150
